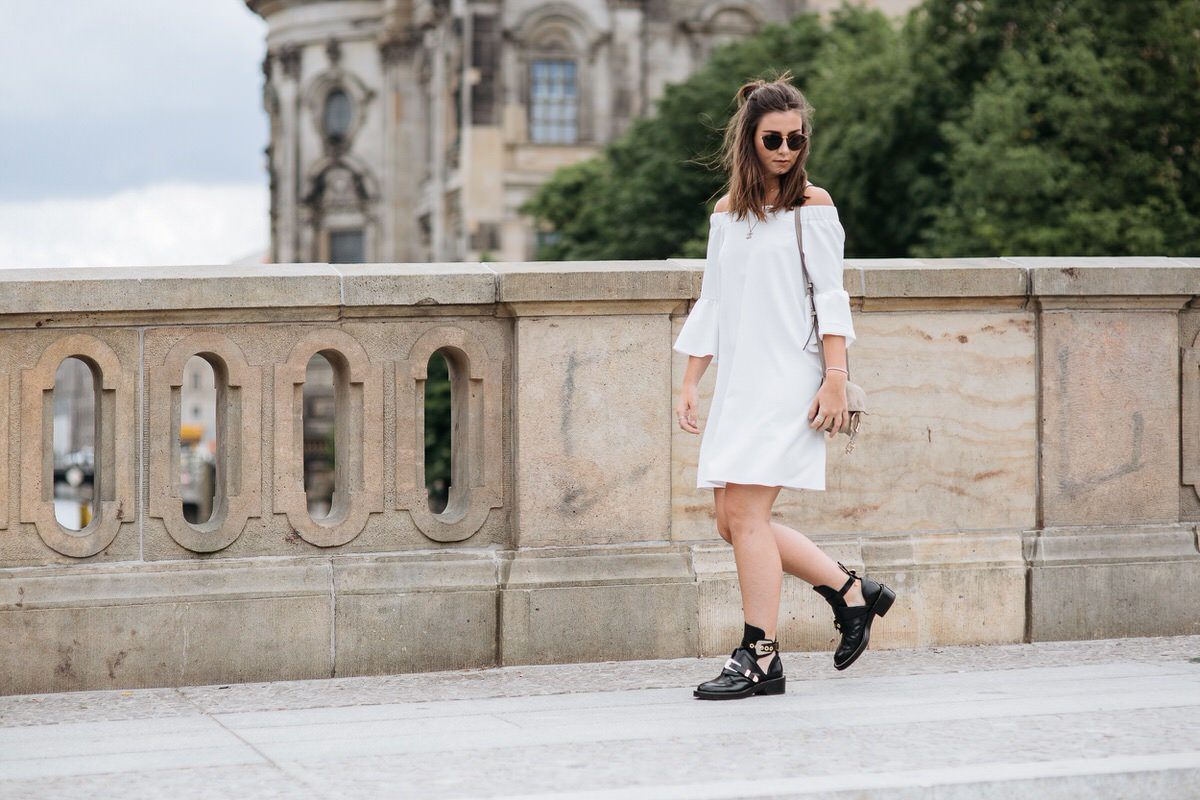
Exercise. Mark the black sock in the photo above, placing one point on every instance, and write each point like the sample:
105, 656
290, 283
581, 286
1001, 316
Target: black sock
752, 635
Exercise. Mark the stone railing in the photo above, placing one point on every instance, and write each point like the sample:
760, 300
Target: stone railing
1030, 468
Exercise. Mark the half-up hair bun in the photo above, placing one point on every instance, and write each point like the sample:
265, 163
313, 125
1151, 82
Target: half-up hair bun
743, 94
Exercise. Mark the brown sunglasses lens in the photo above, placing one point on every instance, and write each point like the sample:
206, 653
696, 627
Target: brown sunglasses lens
795, 141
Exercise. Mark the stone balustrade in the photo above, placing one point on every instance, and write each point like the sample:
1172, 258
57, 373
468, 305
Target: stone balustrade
1029, 469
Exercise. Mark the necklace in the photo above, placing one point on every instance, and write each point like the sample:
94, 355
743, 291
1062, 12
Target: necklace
754, 220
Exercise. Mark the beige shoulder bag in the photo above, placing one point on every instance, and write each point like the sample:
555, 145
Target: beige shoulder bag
856, 398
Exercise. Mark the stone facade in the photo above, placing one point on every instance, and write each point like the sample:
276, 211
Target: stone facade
1028, 469
413, 130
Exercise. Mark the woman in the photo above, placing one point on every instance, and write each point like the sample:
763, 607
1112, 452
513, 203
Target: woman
751, 320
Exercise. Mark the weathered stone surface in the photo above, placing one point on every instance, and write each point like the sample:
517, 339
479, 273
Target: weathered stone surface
595, 604
1095, 583
163, 289
576, 281
1143, 276
888, 278
593, 408
414, 613
134, 626
596, 623
380, 634
1189, 413
416, 288
5, 404
1110, 417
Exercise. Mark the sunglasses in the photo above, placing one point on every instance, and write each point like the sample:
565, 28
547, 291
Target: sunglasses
795, 141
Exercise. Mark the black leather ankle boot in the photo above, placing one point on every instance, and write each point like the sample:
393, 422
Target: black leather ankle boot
854, 622
742, 676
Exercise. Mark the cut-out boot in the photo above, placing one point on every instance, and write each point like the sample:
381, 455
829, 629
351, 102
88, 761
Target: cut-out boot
854, 622
742, 676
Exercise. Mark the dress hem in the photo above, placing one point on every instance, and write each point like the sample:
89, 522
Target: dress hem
780, 485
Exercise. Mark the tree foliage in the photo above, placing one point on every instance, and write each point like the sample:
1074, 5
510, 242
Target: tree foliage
969, 128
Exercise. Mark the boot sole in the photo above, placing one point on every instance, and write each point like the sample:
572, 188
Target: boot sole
773, 686
883, 601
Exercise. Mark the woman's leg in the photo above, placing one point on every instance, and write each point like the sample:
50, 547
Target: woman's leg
802, 558
747, 511
798, 554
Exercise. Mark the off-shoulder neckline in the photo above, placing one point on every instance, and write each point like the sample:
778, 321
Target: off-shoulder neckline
811, 210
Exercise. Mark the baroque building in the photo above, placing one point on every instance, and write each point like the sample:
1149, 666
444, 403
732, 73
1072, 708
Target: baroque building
412, 130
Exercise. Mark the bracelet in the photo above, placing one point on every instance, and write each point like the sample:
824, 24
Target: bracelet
839, 369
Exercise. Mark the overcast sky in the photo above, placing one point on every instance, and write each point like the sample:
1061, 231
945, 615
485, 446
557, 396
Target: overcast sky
132, 132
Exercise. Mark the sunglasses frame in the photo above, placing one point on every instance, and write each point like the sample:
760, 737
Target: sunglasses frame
802, 137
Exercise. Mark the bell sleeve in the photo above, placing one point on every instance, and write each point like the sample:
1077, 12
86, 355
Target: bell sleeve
698, 337
824, 246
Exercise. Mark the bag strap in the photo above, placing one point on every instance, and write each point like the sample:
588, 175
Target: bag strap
811, 301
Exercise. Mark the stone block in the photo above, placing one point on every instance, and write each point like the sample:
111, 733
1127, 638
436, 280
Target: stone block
127, 626
888, 279
1146, 277
1110, 417
383, 634
592, 281
593, 408
1109, 582
415, 288
414, 613
70, 292
580, 605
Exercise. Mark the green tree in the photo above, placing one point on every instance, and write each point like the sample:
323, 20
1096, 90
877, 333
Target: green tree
974, 127
1082, 140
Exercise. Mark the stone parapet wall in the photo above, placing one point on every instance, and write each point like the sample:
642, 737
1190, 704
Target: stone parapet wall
1030, 468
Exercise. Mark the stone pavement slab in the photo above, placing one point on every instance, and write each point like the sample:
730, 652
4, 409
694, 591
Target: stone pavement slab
1109, 718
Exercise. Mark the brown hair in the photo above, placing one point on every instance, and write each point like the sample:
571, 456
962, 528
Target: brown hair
746, 184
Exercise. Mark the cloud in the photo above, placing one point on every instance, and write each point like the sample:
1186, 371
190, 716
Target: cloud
100, 97
159, 225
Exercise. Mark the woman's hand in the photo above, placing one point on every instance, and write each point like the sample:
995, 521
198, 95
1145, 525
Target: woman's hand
830, 409
685, 409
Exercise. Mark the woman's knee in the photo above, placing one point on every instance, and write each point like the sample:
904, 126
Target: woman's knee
742, 526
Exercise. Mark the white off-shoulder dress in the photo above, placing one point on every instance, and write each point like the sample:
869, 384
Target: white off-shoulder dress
752, 317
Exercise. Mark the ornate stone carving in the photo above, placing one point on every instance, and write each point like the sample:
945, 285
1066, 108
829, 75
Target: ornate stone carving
359, 438
399, 48
342, 189
290, 59
359, 93
1190, 414
476, 484
115, 406
239, 413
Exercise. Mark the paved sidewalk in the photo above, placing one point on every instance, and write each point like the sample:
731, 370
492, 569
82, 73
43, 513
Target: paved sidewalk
1117, 718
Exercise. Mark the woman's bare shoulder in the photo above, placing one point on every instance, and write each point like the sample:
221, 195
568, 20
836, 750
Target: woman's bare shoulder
816, 196
722, 204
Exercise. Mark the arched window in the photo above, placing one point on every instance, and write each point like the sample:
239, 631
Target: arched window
553, 101
337, 116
